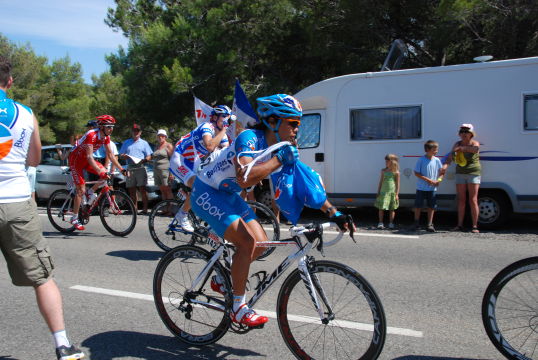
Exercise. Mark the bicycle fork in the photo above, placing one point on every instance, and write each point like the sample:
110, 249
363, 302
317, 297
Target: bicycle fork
202, 278
311, 281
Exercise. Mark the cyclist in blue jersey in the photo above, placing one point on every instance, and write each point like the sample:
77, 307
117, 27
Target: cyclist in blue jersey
200, 142
215, 191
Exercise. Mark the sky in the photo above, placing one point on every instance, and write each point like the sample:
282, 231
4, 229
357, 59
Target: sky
56, 28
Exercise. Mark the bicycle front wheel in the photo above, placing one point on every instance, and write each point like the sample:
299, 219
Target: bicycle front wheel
354, 326
117, 213
268, 221
60, 210
510, 310
164, 228
198, 316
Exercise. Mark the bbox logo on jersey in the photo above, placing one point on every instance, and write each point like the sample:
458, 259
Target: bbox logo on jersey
6, 141
203, 202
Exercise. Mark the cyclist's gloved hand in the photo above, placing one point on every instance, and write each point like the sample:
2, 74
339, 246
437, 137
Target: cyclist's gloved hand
104, 175
340, 220
288, 155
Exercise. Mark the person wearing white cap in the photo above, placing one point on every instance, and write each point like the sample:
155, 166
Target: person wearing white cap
465, 153
161, 164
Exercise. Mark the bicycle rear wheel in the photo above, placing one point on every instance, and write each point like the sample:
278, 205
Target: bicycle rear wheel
510, 310
197, 317
356, 327
60, 210
164, 228
117, 213
268, 221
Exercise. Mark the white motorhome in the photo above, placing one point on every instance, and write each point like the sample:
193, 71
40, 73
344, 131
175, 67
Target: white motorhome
351, 122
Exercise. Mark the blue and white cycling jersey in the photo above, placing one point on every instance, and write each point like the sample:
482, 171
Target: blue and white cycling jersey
218, 170
192, 144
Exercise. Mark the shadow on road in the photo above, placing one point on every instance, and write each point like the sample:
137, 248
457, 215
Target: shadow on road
137, 255
75, 234
123, 344
6, 357
425, 357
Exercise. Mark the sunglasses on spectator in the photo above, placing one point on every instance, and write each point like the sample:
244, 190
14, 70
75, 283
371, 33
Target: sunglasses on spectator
294, 123
465, 131
136, 130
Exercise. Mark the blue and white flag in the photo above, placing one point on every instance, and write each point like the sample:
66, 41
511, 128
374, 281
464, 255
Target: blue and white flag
241, 107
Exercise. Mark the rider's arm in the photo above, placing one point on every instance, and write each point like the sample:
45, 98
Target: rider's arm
257, 173
34, 151
211, 143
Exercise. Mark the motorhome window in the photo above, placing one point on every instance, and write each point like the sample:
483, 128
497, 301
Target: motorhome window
308, 135
531, 112
386, 123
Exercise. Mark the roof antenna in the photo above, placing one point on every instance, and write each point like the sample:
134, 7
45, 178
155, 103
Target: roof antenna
483, 58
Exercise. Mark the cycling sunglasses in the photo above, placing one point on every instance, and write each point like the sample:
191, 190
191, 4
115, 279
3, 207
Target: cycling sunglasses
294, 123
108, 126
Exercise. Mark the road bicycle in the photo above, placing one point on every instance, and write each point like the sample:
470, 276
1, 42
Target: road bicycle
325, 309
166, 232
115, 208
510, 310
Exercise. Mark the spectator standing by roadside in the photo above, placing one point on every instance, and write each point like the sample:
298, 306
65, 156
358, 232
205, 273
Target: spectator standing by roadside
466, 155
428, 171
25, 250
161, 164
388, 190
137, 177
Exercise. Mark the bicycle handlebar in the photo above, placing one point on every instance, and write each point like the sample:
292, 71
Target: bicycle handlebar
313, 231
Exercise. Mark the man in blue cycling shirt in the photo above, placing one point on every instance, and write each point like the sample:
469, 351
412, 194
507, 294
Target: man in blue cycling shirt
215, 192
202, 141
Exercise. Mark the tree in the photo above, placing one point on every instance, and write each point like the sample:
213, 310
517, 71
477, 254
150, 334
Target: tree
56, 93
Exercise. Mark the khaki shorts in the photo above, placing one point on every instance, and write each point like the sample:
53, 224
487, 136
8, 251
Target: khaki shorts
160, 176
138, 176
26, 252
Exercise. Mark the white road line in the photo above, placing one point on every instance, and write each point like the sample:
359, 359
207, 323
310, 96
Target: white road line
271, 314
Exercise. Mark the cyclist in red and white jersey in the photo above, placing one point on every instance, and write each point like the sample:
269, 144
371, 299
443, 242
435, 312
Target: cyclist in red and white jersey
81, 158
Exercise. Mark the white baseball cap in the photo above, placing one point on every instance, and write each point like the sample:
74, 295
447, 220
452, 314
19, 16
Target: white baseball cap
162, 132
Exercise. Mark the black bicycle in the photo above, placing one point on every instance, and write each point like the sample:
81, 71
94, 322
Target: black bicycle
510, 310
167, 233
325, 309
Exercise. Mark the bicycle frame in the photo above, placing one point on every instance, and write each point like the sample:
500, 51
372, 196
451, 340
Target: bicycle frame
105, 190
299, 239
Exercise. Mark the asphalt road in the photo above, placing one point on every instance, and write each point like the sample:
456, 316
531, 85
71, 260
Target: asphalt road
431, 285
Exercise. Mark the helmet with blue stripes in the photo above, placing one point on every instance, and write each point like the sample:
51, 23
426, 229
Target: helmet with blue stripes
279, 105
221, 110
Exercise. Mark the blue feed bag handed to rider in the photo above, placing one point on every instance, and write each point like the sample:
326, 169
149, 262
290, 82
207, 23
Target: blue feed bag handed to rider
295, 187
